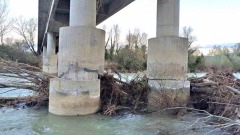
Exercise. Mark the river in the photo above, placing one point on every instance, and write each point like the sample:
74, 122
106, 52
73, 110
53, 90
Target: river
37, 122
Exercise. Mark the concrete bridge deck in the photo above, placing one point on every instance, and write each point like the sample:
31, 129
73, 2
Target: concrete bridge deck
54, 14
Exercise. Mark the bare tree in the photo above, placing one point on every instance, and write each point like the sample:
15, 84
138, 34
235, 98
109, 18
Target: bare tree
194, 60
136, 39
188, 33
144, 39
133, 39
116, 32
27, 28
5, 22
113, 40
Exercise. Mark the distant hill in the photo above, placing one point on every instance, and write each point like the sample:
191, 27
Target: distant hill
228, 45
206, 48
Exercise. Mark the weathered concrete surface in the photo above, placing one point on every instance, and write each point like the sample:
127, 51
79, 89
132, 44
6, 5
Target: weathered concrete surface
51, 43
50, 64
168, 17
87, 17
167, 60
81, 57
68, 97
76, 91
50, 59
81, 47
44, 59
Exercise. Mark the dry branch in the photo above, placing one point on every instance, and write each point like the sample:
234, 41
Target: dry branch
217, 93
31, 78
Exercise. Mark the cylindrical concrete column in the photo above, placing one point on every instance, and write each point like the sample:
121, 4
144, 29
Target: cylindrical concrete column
51, 43
44, 51
76, 91
83, 13
168, 17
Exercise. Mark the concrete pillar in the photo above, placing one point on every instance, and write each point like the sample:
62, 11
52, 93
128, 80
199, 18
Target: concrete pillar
168, 18
44, 51
51, 43
50, 65
44, 59
76, 91
83, 13
167, 60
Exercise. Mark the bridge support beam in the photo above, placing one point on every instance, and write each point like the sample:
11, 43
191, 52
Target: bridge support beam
50, 60
76, 91
167, 60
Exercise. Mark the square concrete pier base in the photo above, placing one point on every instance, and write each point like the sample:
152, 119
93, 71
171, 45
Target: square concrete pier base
168, 93
70, 97
50, 64
167, 72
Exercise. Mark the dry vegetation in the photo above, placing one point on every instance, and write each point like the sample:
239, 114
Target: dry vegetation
217, 98
31, 78
117, 96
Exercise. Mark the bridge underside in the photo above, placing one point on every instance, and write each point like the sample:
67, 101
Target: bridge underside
75, 51
54, 14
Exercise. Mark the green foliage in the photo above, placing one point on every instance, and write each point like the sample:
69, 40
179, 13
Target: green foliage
236, 49
236, 63
195, 62
217, 50
14, 53
223, 58
219, 61
132, 57
130, 60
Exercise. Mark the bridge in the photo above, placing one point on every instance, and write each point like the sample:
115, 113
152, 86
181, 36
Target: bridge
73, 48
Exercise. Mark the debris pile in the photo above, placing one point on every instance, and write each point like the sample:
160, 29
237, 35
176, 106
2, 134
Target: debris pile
24, 76
117, 96
218, 93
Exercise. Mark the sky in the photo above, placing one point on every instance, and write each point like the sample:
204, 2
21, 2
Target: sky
213, 21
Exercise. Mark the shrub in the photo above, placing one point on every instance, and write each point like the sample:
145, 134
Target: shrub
13, 53
130, 60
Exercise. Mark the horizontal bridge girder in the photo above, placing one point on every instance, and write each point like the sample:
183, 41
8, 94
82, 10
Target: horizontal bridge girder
57, 12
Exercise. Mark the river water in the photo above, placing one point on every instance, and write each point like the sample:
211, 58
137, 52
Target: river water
37, 122
27, 121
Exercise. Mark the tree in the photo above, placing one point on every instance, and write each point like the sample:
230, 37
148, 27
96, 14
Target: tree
194, 60
236, 49
116, 32
5, 22
113, 42
136, 39
188, 33
221, 58
217, 50
133, 39
27, 28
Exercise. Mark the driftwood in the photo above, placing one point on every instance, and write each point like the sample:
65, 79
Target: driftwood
117, 96
217, 93
235, 91
206, 120
31, 78
200, 87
